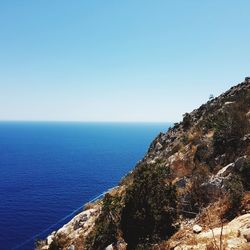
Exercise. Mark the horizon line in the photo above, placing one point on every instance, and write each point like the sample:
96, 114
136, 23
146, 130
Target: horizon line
85, 121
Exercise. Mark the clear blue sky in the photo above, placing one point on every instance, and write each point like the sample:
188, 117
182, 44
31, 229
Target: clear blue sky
132, 60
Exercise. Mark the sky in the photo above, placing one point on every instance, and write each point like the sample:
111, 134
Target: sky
133, 60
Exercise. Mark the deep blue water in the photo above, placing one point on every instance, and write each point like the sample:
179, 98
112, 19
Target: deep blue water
49, 169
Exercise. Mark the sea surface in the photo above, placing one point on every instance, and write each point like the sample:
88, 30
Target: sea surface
47, 170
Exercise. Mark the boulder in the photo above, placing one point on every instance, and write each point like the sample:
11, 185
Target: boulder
235, 243
197, 229
226, 170
213, 187
71, 247
246, 138
158, 146
240, 162
49, 239
246, 234
121, 245
109, 247
248, 115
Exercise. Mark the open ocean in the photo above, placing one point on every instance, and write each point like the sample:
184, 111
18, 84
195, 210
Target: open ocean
50, 169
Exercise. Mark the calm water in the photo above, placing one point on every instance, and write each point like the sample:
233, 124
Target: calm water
49, 169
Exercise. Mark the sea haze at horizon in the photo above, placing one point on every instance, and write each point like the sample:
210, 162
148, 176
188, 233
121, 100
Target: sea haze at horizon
48, 169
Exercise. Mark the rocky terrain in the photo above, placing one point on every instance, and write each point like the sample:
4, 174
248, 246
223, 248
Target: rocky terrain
190, 191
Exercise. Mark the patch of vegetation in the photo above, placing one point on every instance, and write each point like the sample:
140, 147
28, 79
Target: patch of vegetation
244, 173
199, 195
202, 153
107, 224
187, 121
55, 245
235, 191
150, 207
185, 139
59, 242
230, 126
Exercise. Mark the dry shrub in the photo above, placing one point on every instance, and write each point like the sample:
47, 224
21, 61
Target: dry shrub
216, 212
59, 242
89, 205
195, 137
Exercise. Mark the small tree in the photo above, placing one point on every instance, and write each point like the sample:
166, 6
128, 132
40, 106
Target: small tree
235, 193
186, 121
150, 206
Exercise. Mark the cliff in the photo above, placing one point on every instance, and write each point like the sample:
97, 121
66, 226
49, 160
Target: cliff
190, 191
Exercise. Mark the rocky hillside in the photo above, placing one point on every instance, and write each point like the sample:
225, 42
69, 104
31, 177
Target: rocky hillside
190, 191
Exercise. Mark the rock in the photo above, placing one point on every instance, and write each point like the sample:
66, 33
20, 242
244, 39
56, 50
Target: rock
219, 160
49, 239
213, 187
109, 247
182, 182
248, 115
228, 103
121, 245
246, 234
187, 247
239, 163
226, 170
158, 146
152, 161
197, 229
234, 243
71, 247
246, 138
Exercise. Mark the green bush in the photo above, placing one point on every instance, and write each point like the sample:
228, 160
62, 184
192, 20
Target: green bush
230, 126
187, 121
54, 246
185, 139
198, 194
150, 206
245, 174
235, 191
106, 225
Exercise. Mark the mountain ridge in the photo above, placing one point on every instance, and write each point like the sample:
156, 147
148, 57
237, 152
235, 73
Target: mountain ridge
199, 165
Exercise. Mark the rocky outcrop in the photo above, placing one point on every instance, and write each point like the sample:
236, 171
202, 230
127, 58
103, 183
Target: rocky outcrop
68, 236
234, 235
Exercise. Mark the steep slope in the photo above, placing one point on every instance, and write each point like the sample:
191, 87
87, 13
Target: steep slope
195, 173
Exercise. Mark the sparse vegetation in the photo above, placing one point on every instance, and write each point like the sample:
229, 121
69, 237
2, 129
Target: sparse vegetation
244, 173
230, 127
235, 193
185, 139
199, 196
150, 207
59, 242
187, 121
107, 224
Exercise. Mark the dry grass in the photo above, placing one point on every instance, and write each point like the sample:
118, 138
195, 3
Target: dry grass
89, 205
207, 221
216, 212
245, 203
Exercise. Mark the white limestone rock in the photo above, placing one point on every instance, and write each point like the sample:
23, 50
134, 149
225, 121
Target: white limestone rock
197, 229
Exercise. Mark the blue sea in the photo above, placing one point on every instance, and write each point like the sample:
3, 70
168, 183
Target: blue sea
47, 170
